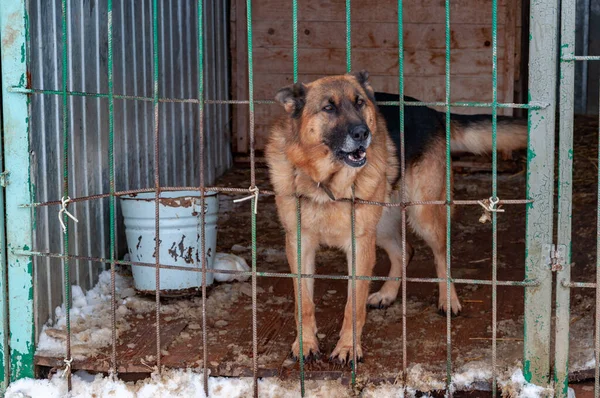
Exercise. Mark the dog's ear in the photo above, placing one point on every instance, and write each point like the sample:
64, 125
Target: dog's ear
292, 98
363, 79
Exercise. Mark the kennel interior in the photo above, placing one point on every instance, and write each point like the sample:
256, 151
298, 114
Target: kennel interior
103, 99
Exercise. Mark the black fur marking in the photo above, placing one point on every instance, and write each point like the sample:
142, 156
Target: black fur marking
422, 126
470, 120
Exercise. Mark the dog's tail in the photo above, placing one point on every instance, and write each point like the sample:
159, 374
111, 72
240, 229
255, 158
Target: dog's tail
473, 134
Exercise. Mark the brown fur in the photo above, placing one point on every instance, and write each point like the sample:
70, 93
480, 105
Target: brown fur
299, 162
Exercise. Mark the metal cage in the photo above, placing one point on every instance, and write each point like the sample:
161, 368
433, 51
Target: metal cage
204, 95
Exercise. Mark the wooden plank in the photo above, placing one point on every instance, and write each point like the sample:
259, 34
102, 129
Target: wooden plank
426, 62
139, 344
322, 53
464, 88
315, 34
129, 359
241, 113
431, 88
426, 11
509, 55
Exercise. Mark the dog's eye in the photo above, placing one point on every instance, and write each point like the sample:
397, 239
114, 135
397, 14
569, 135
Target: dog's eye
360, 103
329, 108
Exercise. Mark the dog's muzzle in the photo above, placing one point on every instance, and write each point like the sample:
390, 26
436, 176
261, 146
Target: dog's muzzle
354, 150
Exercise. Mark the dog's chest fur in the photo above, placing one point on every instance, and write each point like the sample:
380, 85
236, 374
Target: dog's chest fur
326, 220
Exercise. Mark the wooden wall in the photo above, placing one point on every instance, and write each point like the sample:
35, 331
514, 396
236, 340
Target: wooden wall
322, 51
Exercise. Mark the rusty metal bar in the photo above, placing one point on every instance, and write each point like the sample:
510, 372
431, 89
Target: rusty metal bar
200, 71
523, 283
271, 193
23, 90
155, 104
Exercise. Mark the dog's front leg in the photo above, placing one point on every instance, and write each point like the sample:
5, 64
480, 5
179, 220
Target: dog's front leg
310, 344
365, 261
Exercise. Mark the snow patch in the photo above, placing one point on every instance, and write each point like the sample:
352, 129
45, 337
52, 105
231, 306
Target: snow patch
90, 318
230, 262
516, 386
187, 383
171, 384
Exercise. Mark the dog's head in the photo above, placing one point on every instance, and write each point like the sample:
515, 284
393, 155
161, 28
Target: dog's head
333, 117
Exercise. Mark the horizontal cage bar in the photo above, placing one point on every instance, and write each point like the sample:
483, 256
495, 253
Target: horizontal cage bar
531, 105
274, 274
227, 190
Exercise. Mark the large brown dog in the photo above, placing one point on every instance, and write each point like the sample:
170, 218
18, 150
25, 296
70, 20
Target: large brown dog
334, 136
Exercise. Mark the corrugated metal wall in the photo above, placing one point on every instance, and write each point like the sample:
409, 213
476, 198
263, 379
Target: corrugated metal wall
587, 74
133, 124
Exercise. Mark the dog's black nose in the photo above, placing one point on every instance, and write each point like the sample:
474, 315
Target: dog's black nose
360, 133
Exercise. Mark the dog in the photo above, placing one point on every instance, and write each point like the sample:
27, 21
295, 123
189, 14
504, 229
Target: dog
334, 137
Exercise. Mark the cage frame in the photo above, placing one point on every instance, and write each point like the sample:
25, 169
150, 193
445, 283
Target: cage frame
16, 296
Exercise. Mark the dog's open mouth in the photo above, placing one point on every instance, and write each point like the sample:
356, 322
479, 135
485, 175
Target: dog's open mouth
356, 158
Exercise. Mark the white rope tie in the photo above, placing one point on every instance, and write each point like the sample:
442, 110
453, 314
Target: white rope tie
67, 366
489, 206
254, 196
64, 202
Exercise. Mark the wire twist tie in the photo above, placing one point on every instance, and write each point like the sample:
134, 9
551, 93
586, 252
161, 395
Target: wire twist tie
255, 192
64, 202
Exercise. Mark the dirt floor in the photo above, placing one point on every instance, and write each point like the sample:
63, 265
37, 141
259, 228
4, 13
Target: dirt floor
230, 318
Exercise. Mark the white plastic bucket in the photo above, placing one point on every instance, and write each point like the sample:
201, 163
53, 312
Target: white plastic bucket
180, 239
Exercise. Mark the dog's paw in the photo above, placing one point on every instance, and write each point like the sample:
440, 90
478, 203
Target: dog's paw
310, 349
380, 300
344, 353
455, 305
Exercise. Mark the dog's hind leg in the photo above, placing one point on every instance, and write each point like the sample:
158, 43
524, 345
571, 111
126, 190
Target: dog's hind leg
389, 238
425, 182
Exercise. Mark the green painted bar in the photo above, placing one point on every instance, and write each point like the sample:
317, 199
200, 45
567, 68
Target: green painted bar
19, 221
299, 307
448, 209
565, 178
111, 175
255, 200
65, 194
354, 364
298, 208
540, 187
348, 37
295, 38
403, 187
4, 357
494, 191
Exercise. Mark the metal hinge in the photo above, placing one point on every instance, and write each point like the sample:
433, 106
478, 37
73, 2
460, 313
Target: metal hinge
4, 179
555, 256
